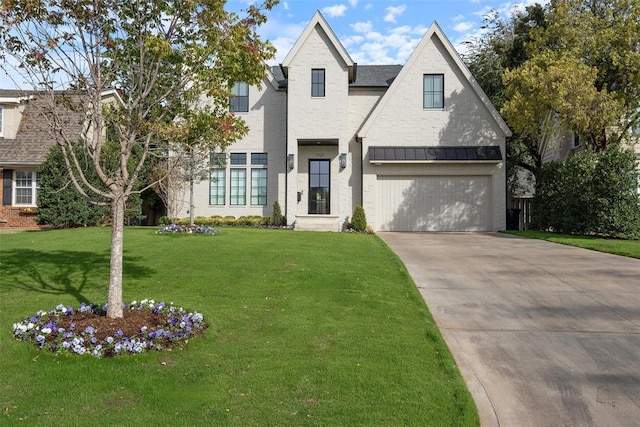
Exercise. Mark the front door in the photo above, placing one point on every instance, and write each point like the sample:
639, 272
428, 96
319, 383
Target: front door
319, 187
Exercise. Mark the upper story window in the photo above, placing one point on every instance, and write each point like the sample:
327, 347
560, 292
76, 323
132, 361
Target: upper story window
317, 82
240, 98
433, 91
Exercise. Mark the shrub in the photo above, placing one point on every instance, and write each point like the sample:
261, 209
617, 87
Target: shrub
277, 219
164, 220
358, 219
590, 193
60, 205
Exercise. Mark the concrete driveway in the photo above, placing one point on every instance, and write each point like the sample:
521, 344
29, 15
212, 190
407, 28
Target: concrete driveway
544, 334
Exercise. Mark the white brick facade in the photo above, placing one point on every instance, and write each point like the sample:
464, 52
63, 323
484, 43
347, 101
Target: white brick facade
360, 110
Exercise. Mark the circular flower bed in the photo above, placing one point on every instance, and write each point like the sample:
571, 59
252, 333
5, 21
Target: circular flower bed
145, 326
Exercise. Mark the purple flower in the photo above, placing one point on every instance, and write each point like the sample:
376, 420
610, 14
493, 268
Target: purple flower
89, 330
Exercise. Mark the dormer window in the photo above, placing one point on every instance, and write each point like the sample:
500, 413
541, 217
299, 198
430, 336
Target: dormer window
240, 98
317, 82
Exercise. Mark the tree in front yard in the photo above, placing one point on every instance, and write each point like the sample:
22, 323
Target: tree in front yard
167, 67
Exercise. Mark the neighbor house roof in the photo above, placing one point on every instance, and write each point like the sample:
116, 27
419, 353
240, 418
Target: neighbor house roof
35, 136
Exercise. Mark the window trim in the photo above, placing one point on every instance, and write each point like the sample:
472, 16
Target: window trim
317, 85
1, 121
433, 93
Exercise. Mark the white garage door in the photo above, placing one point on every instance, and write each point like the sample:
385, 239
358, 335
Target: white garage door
434, 203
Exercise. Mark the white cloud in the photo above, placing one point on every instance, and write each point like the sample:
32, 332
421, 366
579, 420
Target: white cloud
393, 12
362, 27
353, 3
461, 27
335, 11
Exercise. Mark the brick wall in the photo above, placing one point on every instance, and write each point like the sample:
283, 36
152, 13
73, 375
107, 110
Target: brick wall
17, 218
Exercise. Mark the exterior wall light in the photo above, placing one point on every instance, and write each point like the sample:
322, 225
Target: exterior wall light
343, 160
291, 161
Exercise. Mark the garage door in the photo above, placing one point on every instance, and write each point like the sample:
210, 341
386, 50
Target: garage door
434, 203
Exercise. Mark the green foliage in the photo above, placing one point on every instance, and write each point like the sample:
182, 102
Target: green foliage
584, 69
591, 193
277, 219
60, 205
164, 220
358, 219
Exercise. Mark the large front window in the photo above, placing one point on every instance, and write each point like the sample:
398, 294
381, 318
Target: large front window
319, 186
217, 185
433, 91
259, 186
238, 193
26, 186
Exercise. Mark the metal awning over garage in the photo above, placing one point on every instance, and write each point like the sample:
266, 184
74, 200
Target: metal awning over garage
484, 153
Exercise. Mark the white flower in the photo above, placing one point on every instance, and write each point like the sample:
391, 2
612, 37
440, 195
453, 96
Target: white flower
30, 326
46, 330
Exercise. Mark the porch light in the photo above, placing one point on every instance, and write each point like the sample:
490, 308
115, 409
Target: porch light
343, 160
291, 161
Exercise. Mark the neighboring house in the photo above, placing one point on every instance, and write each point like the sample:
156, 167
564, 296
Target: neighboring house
419, 146
25, 141
26, 137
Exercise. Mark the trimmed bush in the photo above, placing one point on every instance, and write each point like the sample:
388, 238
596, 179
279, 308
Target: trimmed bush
277, 219
358, 219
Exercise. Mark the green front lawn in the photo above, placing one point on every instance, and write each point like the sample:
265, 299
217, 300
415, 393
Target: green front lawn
629, 248
306, 329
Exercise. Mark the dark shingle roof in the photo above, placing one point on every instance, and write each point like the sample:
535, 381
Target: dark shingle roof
366, 75
35, 137
375, 75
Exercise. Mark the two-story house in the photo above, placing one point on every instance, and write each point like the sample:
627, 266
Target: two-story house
419, 146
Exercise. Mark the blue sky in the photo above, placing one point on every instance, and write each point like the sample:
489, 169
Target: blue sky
380, 31
373, 31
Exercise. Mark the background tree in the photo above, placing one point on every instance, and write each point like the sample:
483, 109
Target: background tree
165, 58
501, 47
582, 74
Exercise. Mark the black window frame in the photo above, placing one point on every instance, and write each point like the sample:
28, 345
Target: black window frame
318, 79
432, 94
239, 103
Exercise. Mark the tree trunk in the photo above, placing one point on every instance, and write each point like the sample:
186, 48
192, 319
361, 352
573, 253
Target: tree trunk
114, 300
191, 203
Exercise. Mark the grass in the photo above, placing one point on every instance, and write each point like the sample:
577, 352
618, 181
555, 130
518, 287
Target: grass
313, 329
628, 248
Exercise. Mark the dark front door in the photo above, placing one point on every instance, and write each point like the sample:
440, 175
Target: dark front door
319, 186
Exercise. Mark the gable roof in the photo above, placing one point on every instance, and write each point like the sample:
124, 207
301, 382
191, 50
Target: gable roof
318, 20
436, 31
